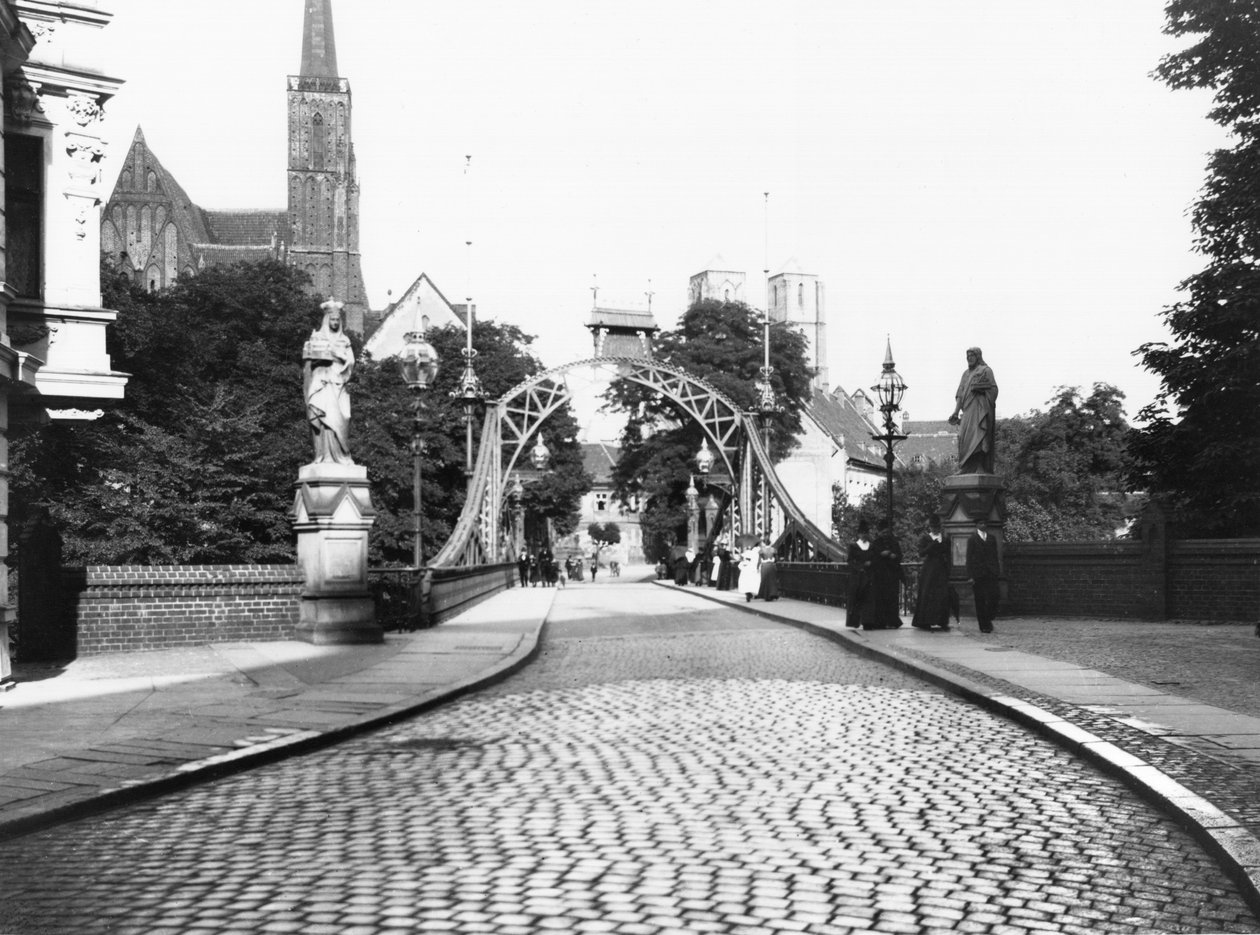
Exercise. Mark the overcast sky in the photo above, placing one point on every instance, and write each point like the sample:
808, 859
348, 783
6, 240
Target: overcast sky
1001, 173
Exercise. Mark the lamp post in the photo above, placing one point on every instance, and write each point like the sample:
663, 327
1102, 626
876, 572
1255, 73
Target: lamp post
419, 365
889, 391
468, 390
693, 513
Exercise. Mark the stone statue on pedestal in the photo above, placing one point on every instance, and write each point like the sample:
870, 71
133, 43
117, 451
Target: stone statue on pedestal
332, 508
327, 364
975, 415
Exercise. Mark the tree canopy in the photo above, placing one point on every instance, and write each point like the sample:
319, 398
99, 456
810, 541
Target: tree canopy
720, 343
1200, 448
197, 463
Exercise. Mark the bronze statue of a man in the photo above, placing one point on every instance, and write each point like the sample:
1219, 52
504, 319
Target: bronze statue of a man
327, 363
975, 415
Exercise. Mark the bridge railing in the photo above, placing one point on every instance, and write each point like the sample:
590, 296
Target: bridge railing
415, 598
828, 583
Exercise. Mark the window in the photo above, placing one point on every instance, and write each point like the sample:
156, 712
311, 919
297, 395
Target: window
319, 142
24, 213
601, 502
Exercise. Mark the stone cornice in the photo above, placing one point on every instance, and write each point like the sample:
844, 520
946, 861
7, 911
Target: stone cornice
63, 11
65, 81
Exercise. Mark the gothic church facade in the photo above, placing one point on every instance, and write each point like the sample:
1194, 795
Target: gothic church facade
152, 230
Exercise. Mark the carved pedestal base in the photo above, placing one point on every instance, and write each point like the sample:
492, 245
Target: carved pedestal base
964, 499
332, 514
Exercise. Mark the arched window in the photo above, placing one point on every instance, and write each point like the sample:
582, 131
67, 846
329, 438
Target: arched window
319, 143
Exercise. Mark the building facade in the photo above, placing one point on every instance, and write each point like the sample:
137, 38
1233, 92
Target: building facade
52, 325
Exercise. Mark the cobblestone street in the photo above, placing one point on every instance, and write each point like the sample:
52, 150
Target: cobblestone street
664, 765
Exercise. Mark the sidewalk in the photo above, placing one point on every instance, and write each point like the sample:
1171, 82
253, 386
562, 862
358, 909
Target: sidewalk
108, 729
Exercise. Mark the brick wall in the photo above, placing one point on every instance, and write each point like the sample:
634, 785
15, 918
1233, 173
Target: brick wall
132, 607
1214, 579
1086, 579
1150, 579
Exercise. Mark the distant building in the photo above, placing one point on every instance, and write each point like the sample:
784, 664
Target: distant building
152, 230
598, 506
930, 443
794, 296
718, 283
797, 297
421, 307
835, 454
621, 332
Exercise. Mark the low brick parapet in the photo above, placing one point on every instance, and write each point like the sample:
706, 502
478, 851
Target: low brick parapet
120, 608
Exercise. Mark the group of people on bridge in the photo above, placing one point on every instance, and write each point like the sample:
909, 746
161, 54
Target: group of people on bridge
540, 567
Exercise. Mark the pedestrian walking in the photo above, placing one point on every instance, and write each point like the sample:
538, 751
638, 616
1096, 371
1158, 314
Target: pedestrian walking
769, 573
984, 569
931, 608
750, 571
594, 567
859, 608
725, 566
522, 567
885, 579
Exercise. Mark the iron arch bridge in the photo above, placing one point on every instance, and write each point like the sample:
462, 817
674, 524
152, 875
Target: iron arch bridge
759, 501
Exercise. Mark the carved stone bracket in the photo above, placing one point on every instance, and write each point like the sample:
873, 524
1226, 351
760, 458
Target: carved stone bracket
21, 98
84, 109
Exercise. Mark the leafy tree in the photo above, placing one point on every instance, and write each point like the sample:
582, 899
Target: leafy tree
918, 496
1200, 448
603, 535
721, 343
1066, 468
196, 464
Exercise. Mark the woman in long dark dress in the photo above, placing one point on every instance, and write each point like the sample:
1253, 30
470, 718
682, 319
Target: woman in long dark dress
724, 567
860, 608
931, 610
886, 579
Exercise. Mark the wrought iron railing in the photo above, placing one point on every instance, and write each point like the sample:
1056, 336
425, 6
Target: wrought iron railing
828, 583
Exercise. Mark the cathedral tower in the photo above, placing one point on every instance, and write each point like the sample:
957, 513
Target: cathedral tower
798, 298
323, 187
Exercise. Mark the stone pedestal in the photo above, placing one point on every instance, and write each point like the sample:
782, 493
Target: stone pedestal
964, 499
332, 514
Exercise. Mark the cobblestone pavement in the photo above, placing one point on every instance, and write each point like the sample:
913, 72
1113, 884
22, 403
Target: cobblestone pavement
664, 766
1218, 667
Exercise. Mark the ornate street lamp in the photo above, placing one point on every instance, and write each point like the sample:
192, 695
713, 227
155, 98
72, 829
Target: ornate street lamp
889, 391
418, 363
704, 457
540, 454
468, 390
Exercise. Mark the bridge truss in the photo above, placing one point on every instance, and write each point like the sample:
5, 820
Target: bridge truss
760, 502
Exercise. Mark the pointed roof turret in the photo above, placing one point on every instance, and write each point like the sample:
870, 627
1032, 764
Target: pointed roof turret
319, 50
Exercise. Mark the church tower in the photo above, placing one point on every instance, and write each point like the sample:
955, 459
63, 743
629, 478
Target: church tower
798, 298
323, 187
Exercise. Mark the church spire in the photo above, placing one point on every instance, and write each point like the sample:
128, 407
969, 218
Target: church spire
319, 51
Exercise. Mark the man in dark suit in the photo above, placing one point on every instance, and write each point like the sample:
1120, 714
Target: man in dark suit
983, 569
